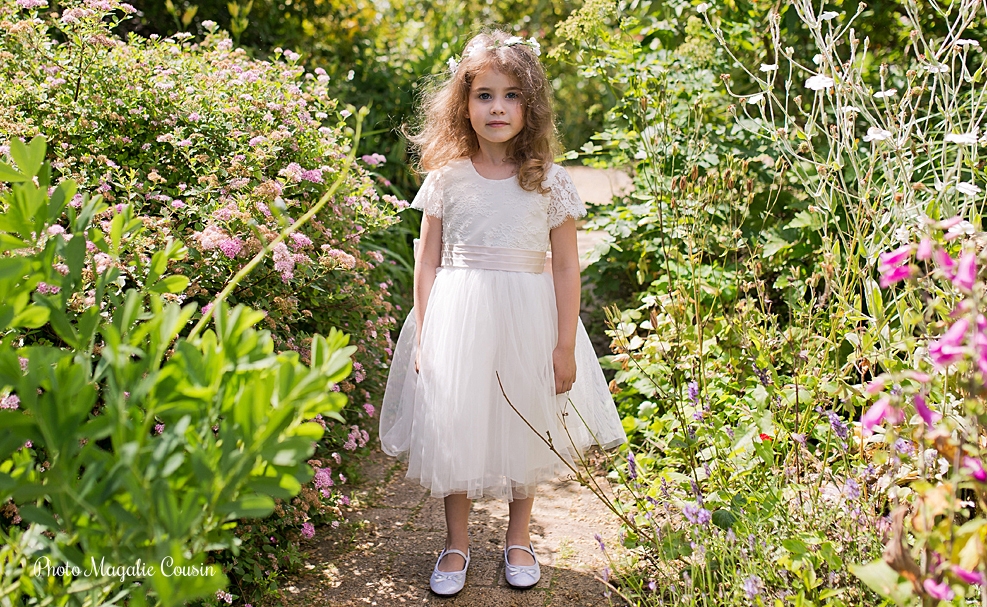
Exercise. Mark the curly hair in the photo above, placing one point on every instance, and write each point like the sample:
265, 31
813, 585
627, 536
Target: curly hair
445, 133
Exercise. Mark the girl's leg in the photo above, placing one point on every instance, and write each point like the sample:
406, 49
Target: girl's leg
517, 531
457, 535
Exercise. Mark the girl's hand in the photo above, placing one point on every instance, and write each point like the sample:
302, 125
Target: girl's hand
564, 364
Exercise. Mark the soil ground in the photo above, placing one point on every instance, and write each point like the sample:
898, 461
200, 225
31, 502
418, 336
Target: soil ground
396, 531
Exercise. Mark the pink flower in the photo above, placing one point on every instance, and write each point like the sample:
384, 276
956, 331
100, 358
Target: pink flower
940, 591
890, 275
895, 258
875, 386
231, 247
924, 249
966, 271
974, 578
880, 411
944, 261
47, 289
373, 159
949, 348
308, 530
975, 468
369, 409
11, 401
925, 412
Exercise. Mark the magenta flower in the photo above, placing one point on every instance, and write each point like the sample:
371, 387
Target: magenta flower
889, 275
974, 578
895, 258
966, 271
308, 530
940, 590
944, 261
925, 412
975, 467
924, 249
875, 386
876, 415
949, 348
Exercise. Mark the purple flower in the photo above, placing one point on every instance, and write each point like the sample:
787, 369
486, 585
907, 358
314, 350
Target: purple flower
159, 428
966, 271
974, 578
851, 489
949, 348
753, 586
940, 590
323, 478
975, 467
47, 289
697, 515
839, 427
231, 247
694, 392
631, 466
308, 530
11, 401
599, 540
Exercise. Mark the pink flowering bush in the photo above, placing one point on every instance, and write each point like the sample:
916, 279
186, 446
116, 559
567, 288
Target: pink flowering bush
188, 139
936, 401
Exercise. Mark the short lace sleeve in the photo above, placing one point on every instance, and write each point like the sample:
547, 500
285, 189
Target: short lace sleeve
565, 200
429, 197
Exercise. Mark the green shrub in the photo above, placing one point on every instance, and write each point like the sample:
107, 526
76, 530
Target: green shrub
194, 141
128, 444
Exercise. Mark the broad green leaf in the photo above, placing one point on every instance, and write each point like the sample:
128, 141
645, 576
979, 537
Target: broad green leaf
175, 283
884, 580
28, 157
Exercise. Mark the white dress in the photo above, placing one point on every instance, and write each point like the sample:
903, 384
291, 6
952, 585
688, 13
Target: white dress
492, 311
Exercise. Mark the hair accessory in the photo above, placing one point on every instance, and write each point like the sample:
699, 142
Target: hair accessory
474, 48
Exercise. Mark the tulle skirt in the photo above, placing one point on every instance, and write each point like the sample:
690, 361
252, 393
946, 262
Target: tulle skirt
452, 421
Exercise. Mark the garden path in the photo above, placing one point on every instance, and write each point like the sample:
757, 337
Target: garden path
395, 531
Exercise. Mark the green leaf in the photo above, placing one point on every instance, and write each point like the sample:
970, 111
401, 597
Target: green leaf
724, 519
171, 284
31, 317
884, 580
11, 175
28, 157
250, 506
40, 516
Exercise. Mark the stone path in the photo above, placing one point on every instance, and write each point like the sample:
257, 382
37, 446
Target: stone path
395, 533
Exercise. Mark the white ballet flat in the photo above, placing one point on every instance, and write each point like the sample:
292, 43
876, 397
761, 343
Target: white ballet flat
448, 583
522, 576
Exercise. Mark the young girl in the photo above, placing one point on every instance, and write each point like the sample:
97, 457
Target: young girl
487, 313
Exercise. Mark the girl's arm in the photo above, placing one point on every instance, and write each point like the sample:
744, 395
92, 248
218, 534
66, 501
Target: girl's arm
428, 259
565, 273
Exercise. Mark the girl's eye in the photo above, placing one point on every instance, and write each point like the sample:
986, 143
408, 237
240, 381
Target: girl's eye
512, 95
484, 96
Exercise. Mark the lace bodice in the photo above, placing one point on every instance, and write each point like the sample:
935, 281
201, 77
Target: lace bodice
497, 212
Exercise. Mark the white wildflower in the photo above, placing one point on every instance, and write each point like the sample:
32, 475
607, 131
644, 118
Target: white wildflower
962, 138
819, 82
535, 46
968, 188
828, 15
452, 64
965, 42
769, 67
754, 99
940, 68
876, 133
817, 58
514, 40
850, 109
702, 8
939, 185
208, 25
887, 93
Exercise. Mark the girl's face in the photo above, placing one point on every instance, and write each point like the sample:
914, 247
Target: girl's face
496, 107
